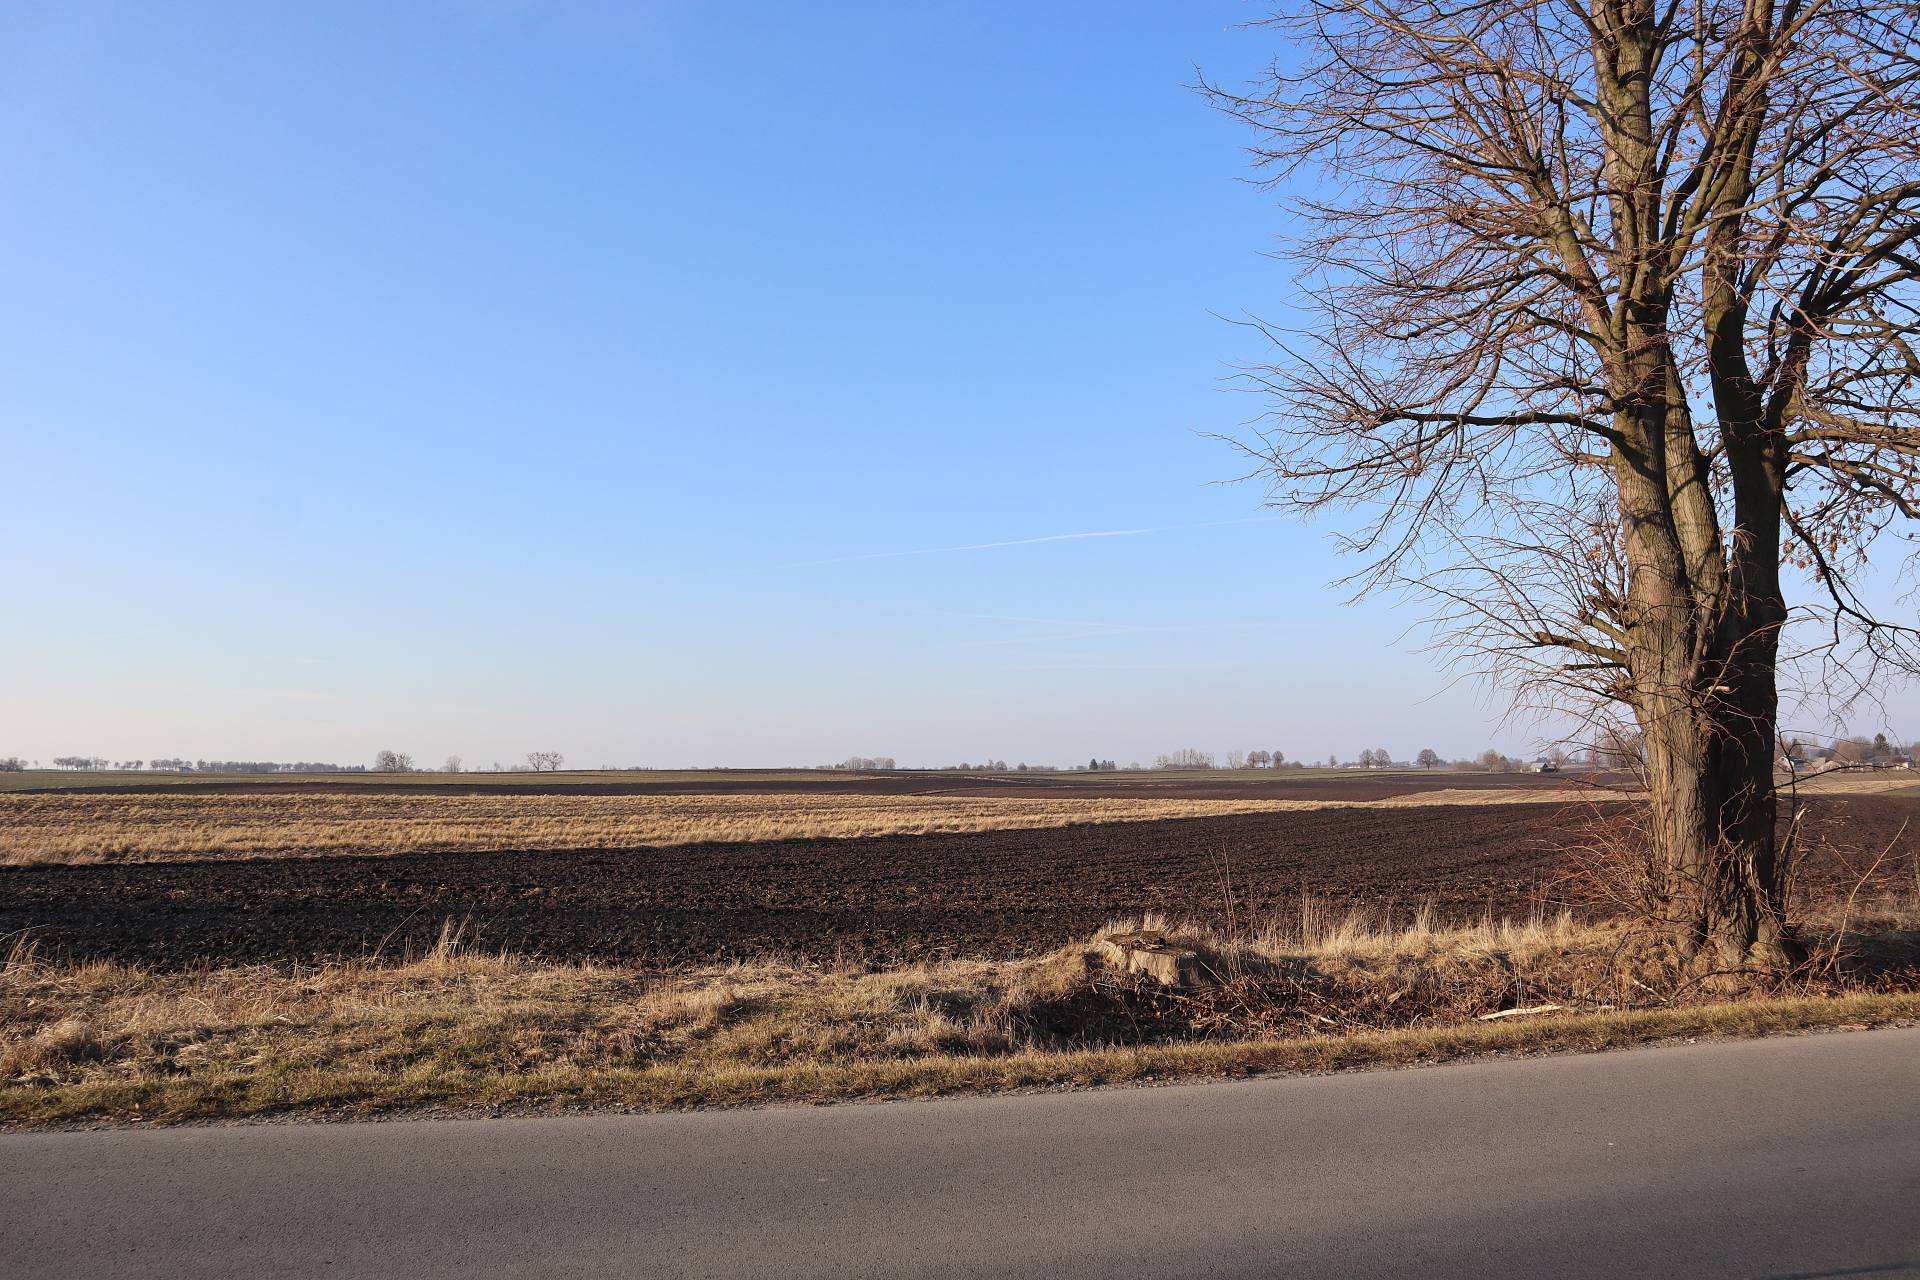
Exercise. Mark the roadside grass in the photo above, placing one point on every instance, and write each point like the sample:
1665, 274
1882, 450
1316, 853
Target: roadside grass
158, 826
458, 1030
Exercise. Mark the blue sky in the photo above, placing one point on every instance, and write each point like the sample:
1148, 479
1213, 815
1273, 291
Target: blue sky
480, 376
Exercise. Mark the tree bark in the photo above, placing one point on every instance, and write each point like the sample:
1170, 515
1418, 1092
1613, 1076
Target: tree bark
1708, 723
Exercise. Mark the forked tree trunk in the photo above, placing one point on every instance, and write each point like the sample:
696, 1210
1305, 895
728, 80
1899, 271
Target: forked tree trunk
1710, 775
1702, 638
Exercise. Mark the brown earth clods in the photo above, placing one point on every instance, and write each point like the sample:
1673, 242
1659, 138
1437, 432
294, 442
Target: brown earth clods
1252, 784
886, 900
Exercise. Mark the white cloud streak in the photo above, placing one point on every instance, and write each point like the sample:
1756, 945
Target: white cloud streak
1051, 537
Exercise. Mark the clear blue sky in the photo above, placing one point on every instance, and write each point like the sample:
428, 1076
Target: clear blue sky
480, 376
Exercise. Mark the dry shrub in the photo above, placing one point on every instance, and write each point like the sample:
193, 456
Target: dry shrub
1848, 909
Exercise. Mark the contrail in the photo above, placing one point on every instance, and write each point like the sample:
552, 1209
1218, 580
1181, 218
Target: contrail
1051, 537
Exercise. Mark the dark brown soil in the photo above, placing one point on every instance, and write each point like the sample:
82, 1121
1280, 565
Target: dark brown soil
1872, 842
891, 899
1249, 785
886, 900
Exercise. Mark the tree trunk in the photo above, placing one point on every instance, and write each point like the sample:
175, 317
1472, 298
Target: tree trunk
1702, 640
1710, 778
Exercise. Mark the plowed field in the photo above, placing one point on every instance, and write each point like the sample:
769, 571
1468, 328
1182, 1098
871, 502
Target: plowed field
884, 899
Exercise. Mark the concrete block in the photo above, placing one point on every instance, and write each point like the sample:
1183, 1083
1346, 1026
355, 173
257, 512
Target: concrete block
1148, 951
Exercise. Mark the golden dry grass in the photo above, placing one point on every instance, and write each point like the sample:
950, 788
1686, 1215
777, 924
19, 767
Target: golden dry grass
154, 827
1857, 782
454, 1029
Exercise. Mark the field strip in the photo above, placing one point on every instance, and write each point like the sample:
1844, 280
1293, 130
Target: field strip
165, 827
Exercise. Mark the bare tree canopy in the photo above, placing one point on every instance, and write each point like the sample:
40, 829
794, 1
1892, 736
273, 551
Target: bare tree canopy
1185, 758
1614, 321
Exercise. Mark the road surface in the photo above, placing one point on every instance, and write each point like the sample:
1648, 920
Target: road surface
1787, 1157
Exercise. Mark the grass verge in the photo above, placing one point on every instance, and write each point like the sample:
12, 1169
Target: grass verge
358, 1092
452, 1030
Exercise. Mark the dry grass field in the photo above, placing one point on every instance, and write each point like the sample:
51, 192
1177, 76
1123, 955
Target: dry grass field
454, 1028
168, 826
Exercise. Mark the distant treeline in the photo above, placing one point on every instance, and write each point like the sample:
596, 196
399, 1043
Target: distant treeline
178, 764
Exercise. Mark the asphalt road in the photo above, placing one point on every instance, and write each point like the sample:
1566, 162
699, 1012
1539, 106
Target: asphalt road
1783, 1158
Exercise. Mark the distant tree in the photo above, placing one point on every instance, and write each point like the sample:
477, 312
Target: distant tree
1236, 759
1620, 748
392, 762
545, 761
1185, 758
1427, 758
1280, 758
12, 764
453, 765
1258, 759
1492, 761
1852, 750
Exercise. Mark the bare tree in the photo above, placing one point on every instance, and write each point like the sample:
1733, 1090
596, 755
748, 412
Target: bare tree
392, 762
545, 761
453, 765
1621, 749
1427, 758
1853, 750
1616, 303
